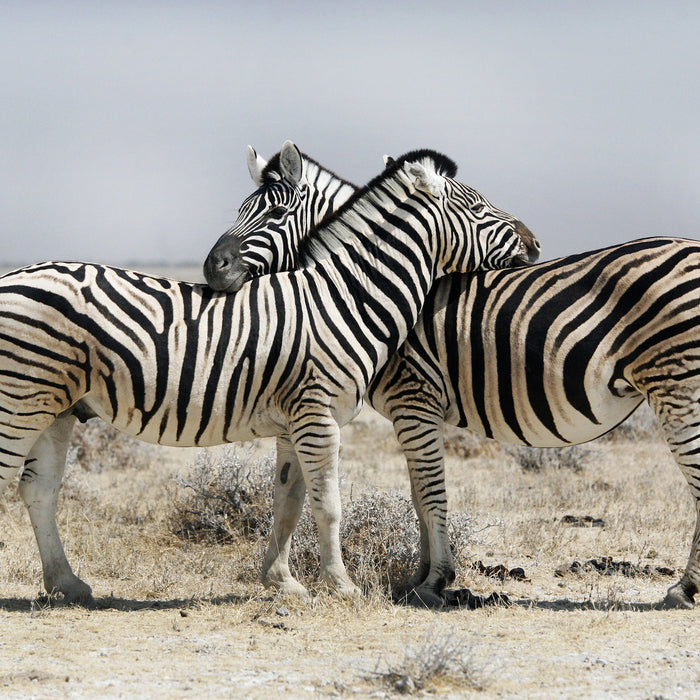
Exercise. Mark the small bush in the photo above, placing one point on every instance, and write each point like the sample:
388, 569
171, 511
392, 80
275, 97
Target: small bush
227, 497
438, 659
96, 446
537, 459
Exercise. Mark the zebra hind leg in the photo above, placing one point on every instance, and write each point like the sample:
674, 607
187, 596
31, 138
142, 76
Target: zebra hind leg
39, 488
290, 492
678, 409
682, 594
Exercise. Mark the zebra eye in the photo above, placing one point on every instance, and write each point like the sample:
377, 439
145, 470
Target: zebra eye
478, 207
276, 212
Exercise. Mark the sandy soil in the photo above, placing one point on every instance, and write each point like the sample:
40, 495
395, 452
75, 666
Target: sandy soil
177, 620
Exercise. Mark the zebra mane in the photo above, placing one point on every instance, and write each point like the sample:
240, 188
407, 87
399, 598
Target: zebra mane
443, 165
271, 171
323, 233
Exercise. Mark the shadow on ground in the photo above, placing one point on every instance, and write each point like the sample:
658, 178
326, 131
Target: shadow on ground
453, 600
34, 605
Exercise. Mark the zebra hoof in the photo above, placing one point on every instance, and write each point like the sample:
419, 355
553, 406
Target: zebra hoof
82, 599
71, 591
347, 592
425, 599
677, 598
290, 587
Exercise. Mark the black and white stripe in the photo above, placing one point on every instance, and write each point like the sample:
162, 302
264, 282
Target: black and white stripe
553, 355
290, 354
556, 354
294, 194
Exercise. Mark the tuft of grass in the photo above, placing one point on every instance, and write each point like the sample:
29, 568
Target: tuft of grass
439, 659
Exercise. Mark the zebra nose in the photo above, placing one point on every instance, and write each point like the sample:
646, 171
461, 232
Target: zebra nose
219, 262
216, 267
532, 245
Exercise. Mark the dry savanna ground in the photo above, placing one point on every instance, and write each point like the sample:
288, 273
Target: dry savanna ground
171, 541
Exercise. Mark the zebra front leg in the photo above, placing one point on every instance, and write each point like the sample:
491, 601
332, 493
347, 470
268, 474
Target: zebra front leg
39, 488
290, 491
316, 439
421, 573
421, 438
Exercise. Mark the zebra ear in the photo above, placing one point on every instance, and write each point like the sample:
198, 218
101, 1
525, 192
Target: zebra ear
426, 180
256, 165
388, 160
291, 163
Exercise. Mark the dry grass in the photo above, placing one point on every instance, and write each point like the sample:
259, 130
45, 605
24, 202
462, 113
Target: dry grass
195, 600
439, 660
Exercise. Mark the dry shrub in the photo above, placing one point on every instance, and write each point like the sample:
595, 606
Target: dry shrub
379, 541
227, 497
439, 659
97, 447
535, 459
231, 496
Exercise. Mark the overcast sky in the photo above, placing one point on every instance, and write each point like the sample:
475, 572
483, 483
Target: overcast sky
123, 125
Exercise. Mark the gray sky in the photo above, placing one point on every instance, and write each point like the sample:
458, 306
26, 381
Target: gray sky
123, 125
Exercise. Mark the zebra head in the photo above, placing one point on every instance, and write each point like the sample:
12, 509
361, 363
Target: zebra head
500, 240
294, 194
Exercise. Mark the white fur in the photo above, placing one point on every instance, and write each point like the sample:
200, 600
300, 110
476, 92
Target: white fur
256, 165
426, 179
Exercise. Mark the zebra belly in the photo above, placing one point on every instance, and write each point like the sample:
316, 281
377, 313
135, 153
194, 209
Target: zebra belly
571, 429
164, 428
544, 403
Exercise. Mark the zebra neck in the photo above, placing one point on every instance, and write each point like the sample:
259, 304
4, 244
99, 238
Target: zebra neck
374, 262
327, 192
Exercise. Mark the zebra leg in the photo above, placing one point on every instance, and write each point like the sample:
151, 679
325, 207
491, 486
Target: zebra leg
678, 410
290, 491
316, 440
421, 572
422, 441
39, 487
682, 594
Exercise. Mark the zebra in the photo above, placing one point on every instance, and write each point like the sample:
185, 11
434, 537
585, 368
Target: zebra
552, 355
179, 364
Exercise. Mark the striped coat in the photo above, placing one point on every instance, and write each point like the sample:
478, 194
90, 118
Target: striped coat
173, 363
552, 355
